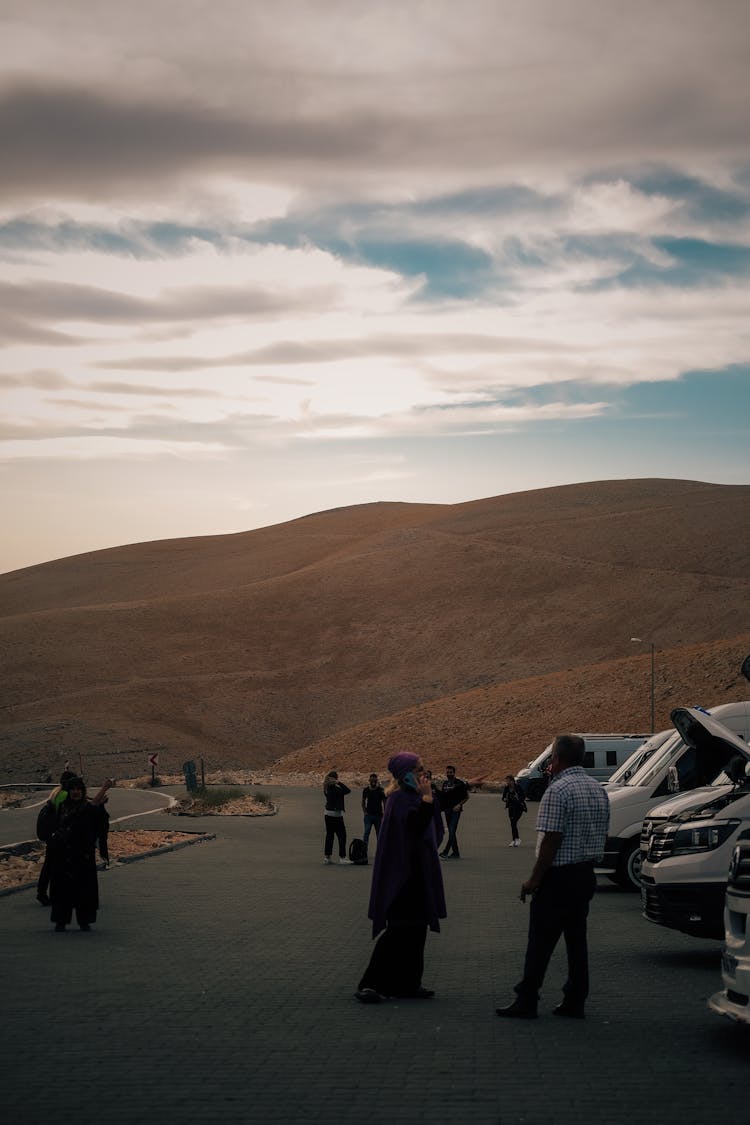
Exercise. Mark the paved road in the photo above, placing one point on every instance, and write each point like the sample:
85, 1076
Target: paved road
217, 986
123, 805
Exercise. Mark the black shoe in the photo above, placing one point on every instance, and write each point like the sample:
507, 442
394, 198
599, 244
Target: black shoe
368, 996
443, 855
43, 898
572, 1011
59, 927
518, 1011
84, 926
423, 993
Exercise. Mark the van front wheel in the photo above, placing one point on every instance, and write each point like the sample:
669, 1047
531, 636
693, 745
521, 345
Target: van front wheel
629, 867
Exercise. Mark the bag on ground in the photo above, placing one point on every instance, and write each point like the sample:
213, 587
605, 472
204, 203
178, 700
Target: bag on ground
357, 851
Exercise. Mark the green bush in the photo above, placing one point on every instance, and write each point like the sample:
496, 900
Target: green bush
214, 798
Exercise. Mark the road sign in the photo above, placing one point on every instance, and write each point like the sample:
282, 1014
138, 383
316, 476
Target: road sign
154, 760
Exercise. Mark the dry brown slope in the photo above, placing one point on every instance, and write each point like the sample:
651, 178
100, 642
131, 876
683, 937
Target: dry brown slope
500, 728
196, 565
386, 612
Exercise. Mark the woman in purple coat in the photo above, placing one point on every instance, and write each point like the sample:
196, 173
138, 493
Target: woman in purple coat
407, 885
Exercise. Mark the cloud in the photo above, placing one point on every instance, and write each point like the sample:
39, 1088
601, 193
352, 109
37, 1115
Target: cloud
60, 302
322, 102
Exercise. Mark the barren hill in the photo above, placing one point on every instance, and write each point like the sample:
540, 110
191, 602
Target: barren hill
245, 648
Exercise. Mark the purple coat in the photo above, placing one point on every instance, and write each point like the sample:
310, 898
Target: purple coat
407, 856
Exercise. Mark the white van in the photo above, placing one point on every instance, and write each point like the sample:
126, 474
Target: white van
604, 754
734, 999
671, 769
687, 842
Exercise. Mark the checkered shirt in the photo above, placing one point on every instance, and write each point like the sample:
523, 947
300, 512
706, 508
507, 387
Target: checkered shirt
578, 806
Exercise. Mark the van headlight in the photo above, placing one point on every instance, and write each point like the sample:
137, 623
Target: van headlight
703, 839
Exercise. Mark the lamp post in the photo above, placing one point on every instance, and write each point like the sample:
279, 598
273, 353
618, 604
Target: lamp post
640, 641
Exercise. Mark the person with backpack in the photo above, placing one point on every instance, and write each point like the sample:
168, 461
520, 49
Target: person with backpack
373, 802
335, 791
514, 802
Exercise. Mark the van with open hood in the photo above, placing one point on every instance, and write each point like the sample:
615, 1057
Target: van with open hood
674, 768
687, 842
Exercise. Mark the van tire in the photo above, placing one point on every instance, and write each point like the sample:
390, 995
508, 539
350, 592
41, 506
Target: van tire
628, 873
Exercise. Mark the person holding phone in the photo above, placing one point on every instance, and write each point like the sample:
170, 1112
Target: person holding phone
406, 895
335, 791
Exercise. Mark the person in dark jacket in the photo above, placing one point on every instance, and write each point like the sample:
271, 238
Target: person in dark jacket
514, 802
56, 797
454, 794
373, 801
406, 896
335, 791
70, 829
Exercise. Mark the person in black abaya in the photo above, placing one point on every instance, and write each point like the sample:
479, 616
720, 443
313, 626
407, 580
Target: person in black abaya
71, 830
407, 886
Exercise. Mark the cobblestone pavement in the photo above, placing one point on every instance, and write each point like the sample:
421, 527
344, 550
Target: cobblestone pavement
217, 986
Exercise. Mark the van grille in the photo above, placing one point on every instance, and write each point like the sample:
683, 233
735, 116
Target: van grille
661, 843
649, 826
739, 868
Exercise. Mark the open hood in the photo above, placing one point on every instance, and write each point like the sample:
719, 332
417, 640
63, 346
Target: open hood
714, 743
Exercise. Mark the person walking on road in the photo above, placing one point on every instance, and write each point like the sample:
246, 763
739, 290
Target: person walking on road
373, 800
572, 824
335, 791
514, 802
454, 794
407, 895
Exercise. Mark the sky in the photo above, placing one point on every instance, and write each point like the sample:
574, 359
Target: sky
260, 260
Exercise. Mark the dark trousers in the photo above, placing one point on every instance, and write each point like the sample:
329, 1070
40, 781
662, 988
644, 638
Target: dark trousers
514, 819
370, 823
397, 961
559, 907
452, 818
335, 827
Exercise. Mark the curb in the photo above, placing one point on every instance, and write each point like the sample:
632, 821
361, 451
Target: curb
200, 838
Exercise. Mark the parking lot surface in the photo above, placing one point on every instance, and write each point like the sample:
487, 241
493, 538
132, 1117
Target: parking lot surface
217, 986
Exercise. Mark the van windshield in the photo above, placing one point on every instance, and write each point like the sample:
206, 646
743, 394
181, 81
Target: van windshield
638, 757
541, 760
653, 766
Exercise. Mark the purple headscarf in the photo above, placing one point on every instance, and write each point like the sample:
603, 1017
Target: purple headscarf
402, 763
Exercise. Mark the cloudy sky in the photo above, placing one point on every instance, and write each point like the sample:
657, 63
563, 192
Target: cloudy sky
259, 260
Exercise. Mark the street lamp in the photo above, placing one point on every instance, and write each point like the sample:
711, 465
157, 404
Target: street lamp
640, 641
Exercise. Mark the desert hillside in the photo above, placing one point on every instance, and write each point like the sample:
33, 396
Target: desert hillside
500, 728
480, 624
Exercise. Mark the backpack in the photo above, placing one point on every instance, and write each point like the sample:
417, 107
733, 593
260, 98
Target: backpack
358, 852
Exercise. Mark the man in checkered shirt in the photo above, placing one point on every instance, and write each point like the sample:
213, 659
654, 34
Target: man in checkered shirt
572, 824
